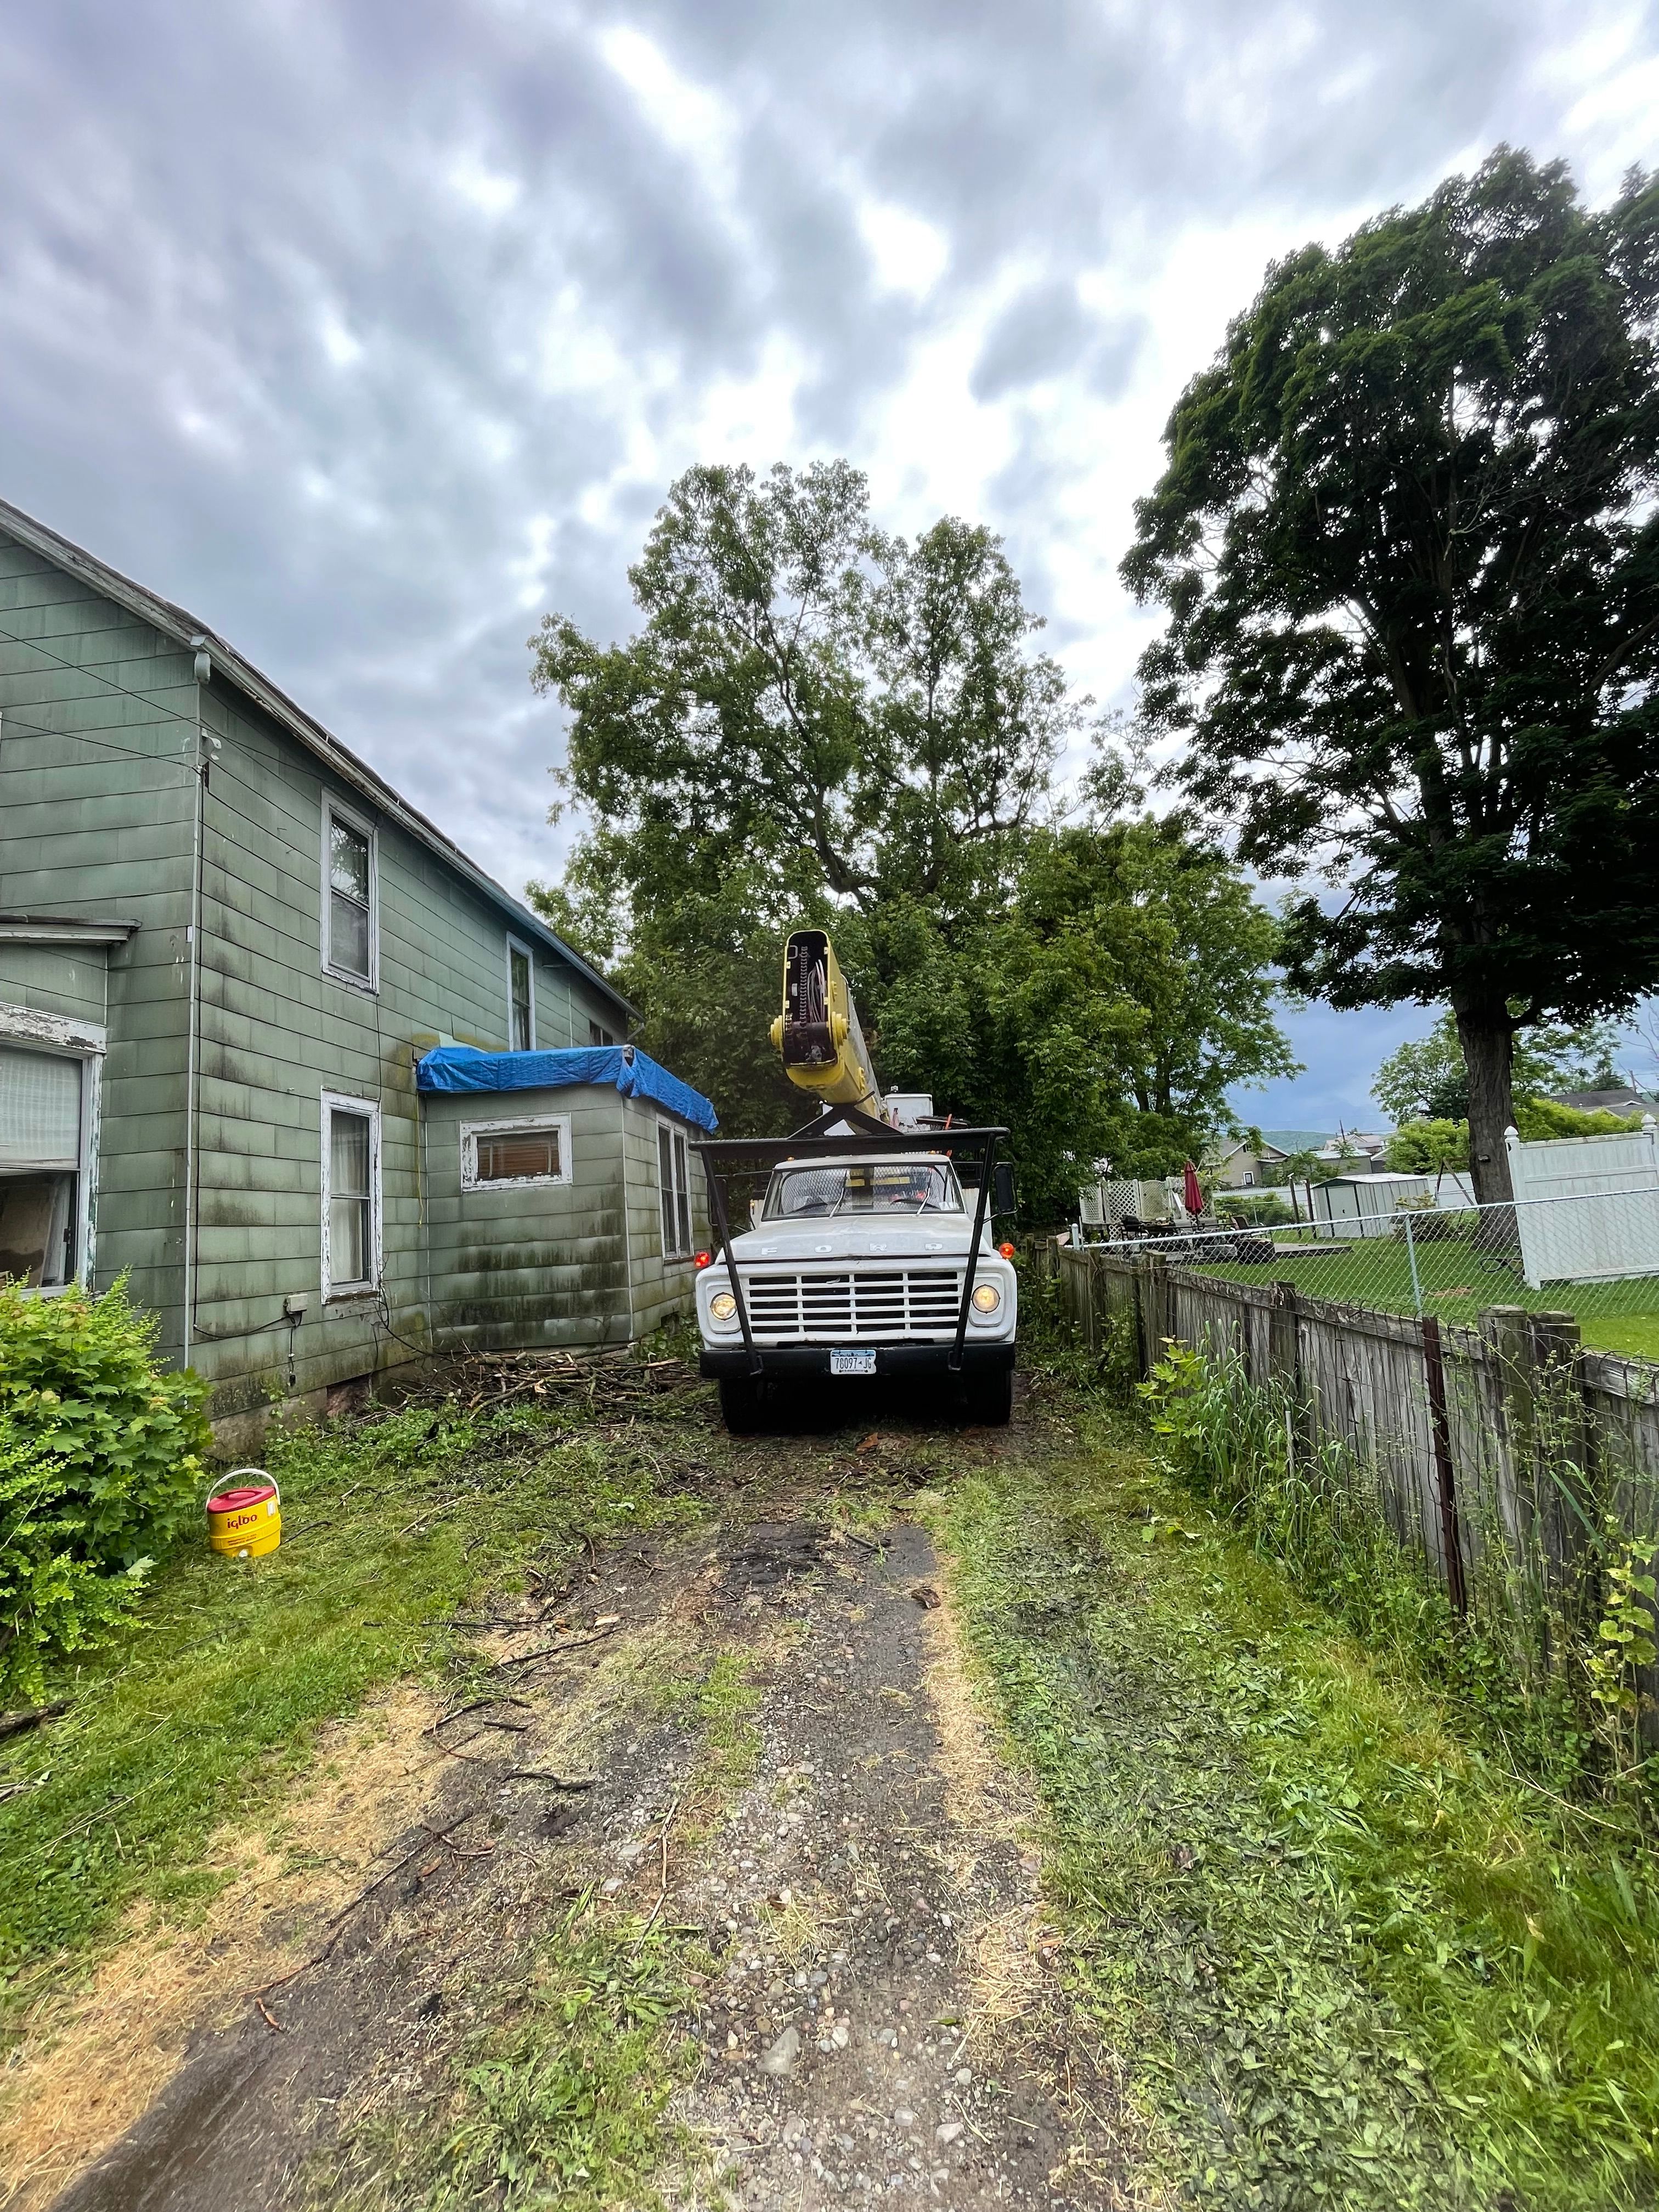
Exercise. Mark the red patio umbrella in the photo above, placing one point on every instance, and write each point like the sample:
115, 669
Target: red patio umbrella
1190, 1191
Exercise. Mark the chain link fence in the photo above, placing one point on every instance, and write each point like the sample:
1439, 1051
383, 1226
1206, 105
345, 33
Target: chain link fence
1594, 1256
1482, 1379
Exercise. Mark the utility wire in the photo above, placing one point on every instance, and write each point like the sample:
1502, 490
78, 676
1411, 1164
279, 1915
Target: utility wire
79, 668
11, 727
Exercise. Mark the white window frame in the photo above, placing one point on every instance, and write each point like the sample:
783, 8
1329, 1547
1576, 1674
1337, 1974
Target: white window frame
517, 944
336, 810
87, 1043
527, 1125
676, 1137
368, 1109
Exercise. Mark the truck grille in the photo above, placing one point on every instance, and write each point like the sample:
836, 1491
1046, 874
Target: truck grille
908, 1302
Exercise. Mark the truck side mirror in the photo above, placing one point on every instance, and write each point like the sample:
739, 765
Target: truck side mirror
1002, 1187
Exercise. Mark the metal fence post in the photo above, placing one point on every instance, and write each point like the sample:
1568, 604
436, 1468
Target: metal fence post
1411, 1256
1451, 1537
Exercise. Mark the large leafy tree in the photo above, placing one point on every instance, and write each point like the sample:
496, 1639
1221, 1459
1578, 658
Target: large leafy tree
1425, 1080
1104, 1011
1407, 546
818, 723
861, 715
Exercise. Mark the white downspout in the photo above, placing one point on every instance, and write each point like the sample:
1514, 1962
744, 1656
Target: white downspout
194, 941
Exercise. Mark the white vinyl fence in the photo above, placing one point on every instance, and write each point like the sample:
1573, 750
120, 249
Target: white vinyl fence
1589, 1209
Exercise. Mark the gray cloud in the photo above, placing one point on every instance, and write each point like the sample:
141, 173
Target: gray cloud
369, 330
1037, 335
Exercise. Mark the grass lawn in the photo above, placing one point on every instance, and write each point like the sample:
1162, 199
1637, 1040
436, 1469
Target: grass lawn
1342, 1958
204, 1707
1339, 1956
1458, 1279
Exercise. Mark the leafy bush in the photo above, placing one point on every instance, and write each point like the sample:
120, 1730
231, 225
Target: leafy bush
101, 1464
1257, 1209
1427, 1147
1535, 1118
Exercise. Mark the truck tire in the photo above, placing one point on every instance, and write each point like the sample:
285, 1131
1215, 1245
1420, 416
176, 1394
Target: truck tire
989, 1398
741, 1403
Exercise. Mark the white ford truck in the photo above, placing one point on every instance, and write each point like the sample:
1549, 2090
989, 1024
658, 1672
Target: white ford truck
858, 1266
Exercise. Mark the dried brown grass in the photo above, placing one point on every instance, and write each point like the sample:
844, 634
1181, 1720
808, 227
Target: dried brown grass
985, 1799
1017, 2018
94, 2058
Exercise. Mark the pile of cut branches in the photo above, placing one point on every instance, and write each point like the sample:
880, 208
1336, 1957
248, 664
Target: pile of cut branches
607, 1381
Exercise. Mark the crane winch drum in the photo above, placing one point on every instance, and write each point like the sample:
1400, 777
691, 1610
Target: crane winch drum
817, 1032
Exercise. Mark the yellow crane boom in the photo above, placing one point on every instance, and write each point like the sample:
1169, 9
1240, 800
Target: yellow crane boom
819, 1033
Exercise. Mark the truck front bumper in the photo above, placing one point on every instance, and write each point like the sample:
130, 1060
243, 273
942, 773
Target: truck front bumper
803, 1361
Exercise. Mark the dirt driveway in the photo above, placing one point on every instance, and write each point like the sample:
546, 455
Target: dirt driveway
757, 1734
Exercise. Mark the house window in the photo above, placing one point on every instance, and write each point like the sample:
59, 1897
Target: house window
598, 1035
515, 1155
674, 1183
520, 998
41, 1122
350, 869
351, 1196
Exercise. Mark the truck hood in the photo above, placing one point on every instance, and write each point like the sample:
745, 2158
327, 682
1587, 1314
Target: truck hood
924, 1238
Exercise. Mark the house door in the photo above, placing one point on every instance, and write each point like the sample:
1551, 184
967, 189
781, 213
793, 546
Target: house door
41, 1129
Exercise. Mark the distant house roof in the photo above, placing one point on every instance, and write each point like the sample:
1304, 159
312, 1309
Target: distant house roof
1622, 1101
1226, 1148
623, 1066
177, 622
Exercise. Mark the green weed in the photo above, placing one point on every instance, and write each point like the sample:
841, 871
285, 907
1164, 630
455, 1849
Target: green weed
720, 1703
1534, 1668
561, 2099
209, 1701
1344, 1961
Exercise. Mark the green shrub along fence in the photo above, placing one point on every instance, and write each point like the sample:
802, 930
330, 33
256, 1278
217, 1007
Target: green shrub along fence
102, 1464
1508, 1472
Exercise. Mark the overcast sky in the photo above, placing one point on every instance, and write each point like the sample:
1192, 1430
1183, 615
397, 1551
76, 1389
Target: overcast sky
370, 331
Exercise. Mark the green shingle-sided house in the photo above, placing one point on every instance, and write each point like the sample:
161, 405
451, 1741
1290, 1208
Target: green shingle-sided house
229, 952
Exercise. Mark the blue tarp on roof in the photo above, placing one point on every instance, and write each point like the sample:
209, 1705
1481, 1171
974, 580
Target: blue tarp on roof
634, 1072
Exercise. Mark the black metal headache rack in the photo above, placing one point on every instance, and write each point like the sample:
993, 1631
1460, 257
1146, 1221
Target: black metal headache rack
845, 1132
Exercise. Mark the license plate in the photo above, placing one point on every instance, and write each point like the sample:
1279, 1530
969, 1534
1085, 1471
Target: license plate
852, 1363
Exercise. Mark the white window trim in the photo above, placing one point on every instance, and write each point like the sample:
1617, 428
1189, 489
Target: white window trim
676, 1129
335, 809
471, 1131
86, 1041
350, 1293
517, 944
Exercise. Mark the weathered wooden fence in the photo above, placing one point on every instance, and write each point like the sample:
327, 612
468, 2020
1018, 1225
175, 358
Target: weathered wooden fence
1499, 1452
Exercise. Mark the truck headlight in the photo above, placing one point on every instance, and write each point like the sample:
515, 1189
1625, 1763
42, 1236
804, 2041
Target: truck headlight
986, 1298
722, 1306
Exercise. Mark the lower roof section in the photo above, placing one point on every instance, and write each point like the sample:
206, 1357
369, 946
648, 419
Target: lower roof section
623, 1066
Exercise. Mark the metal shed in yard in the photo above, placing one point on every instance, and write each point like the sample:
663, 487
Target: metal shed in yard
1365, 1205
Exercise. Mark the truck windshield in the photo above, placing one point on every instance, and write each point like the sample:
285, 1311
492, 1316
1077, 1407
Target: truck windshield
863, 1187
